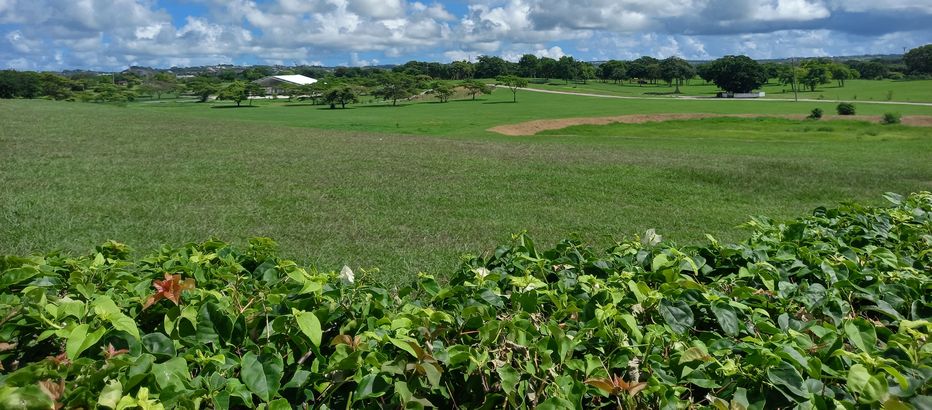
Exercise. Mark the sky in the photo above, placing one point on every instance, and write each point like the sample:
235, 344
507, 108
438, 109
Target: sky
111, 35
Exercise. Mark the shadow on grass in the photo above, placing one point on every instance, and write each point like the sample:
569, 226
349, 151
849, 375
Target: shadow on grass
468, 100
235, 106
302, 105
499, 102
385, 105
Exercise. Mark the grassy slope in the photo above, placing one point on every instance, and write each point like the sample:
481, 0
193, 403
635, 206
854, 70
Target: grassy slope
86, 173
854, 90
471, 118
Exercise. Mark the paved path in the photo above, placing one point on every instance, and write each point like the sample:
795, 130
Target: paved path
695, 98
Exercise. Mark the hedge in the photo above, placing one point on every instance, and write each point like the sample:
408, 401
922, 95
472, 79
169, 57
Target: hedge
831, 310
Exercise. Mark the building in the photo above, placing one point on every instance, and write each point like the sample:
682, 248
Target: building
725, 94
277, 84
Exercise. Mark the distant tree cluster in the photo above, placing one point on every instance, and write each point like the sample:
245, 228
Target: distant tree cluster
345, 85
25, 84
736, 74
919, 60
82, 87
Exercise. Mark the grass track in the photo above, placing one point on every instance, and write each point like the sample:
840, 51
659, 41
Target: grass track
74, 175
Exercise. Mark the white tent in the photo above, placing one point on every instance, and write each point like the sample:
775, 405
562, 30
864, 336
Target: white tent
275, 84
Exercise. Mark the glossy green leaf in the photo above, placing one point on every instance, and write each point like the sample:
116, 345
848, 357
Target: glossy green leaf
111, 394
861, 334
213, 324
309, 325
262, 374
785, 376
727, 318
80, 340
509, 377
159, 345
678, 315
556, 403
371, 385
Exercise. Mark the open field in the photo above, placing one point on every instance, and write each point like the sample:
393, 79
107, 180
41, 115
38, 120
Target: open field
465, 118
854, 90
74, 175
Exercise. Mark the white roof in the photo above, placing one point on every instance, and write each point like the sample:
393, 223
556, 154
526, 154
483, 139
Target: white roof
296, 79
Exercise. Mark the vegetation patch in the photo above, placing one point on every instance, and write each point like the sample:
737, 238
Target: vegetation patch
832, 309
845, 109
536, 126
891, 118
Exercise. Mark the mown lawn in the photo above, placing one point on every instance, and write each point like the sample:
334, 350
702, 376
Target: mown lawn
466, 118
74, 175
854, 90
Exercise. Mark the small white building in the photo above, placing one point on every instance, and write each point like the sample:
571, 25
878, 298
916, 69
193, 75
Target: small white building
276, 84
725, 94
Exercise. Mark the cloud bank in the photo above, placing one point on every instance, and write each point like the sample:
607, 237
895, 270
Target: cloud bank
113, 34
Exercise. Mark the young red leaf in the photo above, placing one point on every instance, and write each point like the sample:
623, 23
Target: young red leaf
170, 288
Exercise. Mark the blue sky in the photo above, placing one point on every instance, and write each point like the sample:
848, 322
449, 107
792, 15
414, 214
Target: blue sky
114, 34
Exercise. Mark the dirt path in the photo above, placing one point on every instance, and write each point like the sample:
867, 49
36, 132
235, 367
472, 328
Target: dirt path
533, 127
698, 98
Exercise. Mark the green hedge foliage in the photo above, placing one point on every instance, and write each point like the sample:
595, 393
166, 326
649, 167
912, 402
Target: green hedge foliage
827, 311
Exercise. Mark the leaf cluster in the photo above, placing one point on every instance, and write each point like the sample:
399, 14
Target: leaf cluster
827, 311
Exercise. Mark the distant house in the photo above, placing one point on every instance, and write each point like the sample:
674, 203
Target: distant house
276, 84
725, 94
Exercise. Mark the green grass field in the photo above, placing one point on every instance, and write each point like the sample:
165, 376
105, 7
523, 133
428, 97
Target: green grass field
466, 118
854, 90
412, 188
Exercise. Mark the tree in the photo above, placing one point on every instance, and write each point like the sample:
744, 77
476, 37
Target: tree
394, 87
645, 68
919, 60
869, 70
841, 72
255, 73
341, 94
254, 90
55, 86
461, 70
613, 70
676, 70
437, 70
772, 70
817, 73
790, 75
160, 84
546, 68
19, 84
441, 90
567, 69
706, 72
203, 87
586, 71
527, 65
414, 68
235, 91
491, 67
107, 92
513, 83
737, 74
474, 87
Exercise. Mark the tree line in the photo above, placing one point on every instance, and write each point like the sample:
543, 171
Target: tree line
730, 73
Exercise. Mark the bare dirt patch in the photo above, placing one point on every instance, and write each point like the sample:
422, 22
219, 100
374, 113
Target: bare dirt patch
536, 126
